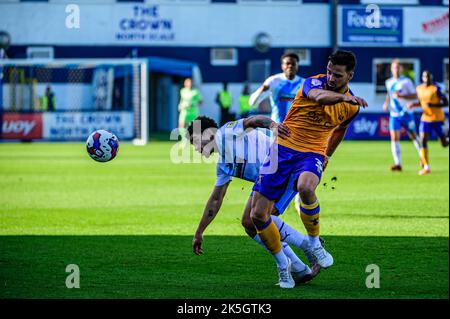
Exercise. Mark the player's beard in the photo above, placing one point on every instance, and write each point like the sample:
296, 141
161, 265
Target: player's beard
335, 88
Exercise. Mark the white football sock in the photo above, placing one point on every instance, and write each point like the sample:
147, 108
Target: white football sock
259, 241
290, 235
314, 241
396, 152
297, 264
416, 143
281, 260
297, 202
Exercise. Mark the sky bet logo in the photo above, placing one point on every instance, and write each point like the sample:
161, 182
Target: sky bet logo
365, 126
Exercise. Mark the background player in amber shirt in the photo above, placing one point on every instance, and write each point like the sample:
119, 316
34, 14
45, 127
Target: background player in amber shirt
317, 120
432, 101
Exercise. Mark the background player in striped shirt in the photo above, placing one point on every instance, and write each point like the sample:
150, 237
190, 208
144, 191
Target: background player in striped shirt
400, 91
432, 101
280, 88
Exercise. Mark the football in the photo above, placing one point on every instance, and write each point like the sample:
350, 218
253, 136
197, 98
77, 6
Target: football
102, 146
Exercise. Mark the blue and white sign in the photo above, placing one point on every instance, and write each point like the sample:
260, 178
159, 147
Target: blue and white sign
145, 23
370, 26
375, 126
167, 23
78, 125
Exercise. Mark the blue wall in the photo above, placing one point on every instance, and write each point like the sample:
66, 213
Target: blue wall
199, 55
430, 58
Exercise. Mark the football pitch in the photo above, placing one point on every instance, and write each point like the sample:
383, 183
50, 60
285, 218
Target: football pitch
128, 226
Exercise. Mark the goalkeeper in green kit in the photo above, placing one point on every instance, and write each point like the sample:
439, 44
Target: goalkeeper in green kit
190, 100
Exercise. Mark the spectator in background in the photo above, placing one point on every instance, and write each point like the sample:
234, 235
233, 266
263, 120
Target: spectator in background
190, 100
48, 100
244, 101
224, 99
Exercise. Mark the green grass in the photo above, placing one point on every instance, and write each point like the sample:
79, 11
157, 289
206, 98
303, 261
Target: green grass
128, 225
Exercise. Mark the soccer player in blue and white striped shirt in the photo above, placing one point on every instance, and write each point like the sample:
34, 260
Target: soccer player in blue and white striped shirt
242, 149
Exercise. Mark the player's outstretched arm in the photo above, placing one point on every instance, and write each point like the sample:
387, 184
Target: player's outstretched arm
336, 137
259, 95
412, 105
387, 102
443, 102
211, 209
265, 122
327, 97
333, 142
407, 96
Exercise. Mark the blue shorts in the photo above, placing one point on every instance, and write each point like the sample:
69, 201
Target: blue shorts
428, 127
290, 165
287, 197
406, 120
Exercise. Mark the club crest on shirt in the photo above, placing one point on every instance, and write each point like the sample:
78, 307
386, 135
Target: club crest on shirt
231, 124
316, 82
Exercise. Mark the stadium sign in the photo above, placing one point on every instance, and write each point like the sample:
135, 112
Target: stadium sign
375, 126
358, 28
78, 125
21, 126
166, 24
144, 23
426, 27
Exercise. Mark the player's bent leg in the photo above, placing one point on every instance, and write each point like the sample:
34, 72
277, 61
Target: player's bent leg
267, 230
424, 154
290, 236
416, 140
310, 215
270, 236
301, 273
396, 151
444, 141
309, 205
246, 220
442, 133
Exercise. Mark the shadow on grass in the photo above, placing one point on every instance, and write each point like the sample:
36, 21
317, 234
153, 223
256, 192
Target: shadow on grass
231, 267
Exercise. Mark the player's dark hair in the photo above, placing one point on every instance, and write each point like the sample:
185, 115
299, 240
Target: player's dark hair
205, 123
343, 57
290, 55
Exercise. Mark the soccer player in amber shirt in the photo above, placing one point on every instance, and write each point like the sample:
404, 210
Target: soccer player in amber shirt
318, 119
432, 101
